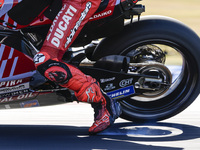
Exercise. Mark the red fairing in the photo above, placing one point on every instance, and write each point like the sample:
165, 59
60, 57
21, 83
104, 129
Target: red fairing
8, 22
13, 63
135, 1
105, 13
41, 20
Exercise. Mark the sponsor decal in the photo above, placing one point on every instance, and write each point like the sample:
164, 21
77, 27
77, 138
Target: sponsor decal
108, 11
32, 103
23, 96
62, 25
109, 87
78, 23
11, 83
107, 80
39, 58
123, 92
14, 93
126, 82
14, 88
101, 15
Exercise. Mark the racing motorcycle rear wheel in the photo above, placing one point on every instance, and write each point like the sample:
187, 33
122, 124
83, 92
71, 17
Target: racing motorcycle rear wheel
178, 42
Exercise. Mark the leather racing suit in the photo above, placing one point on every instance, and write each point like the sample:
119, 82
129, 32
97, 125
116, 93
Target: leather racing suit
63, 31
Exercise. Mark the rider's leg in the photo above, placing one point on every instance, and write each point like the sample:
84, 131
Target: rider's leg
66, 26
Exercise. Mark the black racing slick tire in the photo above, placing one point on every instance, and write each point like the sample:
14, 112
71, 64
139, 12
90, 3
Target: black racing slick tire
165, 32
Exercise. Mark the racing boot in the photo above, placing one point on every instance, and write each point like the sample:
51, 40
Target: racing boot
106, 112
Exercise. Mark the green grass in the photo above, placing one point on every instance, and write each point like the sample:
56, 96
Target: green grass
186, 11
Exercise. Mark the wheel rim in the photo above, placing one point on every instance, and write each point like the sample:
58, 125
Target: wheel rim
183, 84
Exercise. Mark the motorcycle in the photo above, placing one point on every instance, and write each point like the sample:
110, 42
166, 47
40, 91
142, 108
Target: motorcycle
149, 64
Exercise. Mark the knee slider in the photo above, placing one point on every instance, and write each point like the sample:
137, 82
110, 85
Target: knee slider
55, 71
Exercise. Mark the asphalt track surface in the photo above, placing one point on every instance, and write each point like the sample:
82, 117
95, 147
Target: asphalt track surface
65, 127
